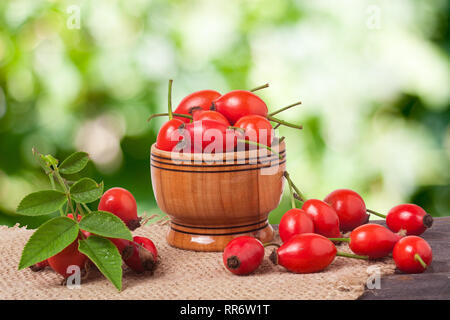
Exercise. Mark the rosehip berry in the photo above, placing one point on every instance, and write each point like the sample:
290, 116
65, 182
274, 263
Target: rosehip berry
211, 136
200, 114
69, 256
243, 255
121, 203
412, 254
140, 254
325, 218
373, 240
293, 222
39, 266
410, 218
238, 103
199, 99
305, 253
350, 208
257, 129
170, 135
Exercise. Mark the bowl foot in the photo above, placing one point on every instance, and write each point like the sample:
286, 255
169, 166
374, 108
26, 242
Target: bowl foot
215, 238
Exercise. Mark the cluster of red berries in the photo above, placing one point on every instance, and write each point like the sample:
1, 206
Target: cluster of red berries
308, 235
139, 255
207, 117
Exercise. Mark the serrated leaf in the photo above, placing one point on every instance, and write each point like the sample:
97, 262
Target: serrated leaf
41, 203
105, 255
49, 239
105, 224
74, 163
86, 190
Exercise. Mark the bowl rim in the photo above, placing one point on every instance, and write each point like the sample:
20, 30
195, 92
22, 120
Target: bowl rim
260, 154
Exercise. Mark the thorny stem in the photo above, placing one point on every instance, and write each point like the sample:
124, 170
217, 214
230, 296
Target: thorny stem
167, 114
376, 213
260, 87
284, 123
285, 108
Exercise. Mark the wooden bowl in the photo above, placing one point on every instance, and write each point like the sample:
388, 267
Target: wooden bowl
211, 202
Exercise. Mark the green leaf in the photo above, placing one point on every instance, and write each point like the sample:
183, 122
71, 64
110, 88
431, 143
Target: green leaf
105, 224
104, 254
86, 190
51, 238
74, 163
41, 203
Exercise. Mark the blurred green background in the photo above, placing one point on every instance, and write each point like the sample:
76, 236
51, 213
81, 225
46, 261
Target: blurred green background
373, 76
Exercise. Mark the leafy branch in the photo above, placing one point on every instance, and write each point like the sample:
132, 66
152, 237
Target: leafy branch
58, 233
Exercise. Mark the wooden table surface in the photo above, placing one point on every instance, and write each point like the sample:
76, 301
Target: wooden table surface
433, 284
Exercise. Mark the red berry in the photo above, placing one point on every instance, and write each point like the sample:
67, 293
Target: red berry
373, 240
243, 255
121, 203
69, 256
257, 129
202, 99
170, 135
326, 220
412, 254
200, 114
350, 208
293, 222
39, 266
211, 136
305, 253
410, 218
238, 103
140, 254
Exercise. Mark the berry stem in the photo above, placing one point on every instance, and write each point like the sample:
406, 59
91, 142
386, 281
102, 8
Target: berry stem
376, 213
260, 87
418, 258
64, 186
170, 100
351, 255
285, 108
300, 196
260, 145
284, 123
291, 194
340, 239
167, 114
52, 182
86, 207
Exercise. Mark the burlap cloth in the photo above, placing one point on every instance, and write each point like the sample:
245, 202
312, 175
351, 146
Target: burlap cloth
185, 275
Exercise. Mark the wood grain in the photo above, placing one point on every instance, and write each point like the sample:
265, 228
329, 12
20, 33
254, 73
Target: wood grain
433, 284
213, 198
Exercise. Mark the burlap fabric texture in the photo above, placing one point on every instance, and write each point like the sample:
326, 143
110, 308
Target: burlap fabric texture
186, 275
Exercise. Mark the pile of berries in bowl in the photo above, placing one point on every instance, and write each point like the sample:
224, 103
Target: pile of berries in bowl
217, 168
